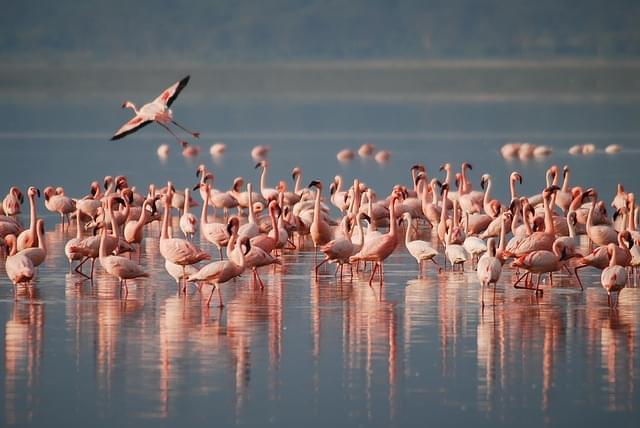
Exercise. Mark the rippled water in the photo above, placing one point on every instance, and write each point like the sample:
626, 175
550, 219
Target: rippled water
419, 350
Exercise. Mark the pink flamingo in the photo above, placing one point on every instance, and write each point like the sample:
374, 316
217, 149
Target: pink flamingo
540, 262
176, 250
118, 266
29, 238
156, 111
378, 249
12, 203
222, 271
18, 266
613, 277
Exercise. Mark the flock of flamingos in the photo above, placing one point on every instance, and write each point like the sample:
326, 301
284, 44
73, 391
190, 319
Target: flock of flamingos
471, 226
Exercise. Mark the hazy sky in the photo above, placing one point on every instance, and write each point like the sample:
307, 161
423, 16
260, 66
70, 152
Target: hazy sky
211, 31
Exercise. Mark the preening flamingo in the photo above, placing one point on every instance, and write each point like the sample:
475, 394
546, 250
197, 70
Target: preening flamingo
156, 111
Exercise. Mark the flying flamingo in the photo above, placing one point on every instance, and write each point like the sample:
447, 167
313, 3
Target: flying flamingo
156, 111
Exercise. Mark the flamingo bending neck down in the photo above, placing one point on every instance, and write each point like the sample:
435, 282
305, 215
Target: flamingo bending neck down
156, 111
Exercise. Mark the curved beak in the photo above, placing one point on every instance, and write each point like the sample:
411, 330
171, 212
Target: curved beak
258, 165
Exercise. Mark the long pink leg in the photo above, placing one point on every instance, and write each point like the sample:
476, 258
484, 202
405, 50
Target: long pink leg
373, 272
195, 134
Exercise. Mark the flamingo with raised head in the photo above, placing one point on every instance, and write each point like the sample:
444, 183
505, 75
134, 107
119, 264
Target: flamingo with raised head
156, 111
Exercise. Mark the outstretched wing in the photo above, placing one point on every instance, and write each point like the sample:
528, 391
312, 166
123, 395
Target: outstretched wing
169, 95
130, 127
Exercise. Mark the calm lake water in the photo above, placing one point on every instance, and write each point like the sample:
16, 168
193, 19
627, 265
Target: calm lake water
320, 352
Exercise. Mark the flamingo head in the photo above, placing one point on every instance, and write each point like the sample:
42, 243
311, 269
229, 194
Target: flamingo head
572, 218
48, 192
466, 165
515, 175
332, 187
263, 163
418, 167
458, 180
107, 181
234, 222
315, 183
129, 104
444, 189
484, 180
33, 191
295, 172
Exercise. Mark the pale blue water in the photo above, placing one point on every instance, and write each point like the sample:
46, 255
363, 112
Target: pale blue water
319, 353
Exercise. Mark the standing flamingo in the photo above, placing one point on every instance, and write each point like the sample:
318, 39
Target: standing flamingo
489, 268
156, 111
420, 250
118, 266
188, 222
176, 250
379, 249
219, 272
12, 203
613, 277
28, 238
19, 267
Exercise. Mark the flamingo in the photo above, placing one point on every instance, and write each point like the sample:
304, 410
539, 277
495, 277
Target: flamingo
250, 229
613, 277
70, 248
377, 250
222, 271
12, 203
178, 251
39, 253
156, 111
542, 261
28, 238
320, 230
18, 266
188, 222
58, 203
256, 257
489, 268
420, 250
600, 234
268, 193
134, 229
338, 250
118, 266
456, 253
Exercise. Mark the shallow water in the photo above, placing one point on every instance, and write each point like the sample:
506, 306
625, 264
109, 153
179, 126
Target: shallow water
321, 352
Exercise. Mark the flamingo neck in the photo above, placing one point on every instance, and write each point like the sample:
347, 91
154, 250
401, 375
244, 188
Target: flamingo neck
263, 180
572, 230
132, 106
316, 207
297, 188
102, 252
78, 231
41, 241
144, 216
164, 233
512, 187
487, 192
252, 214
204, 217
565, 181
548, 220
33, 215
392, 218
407, 237
502, 245
185, 207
